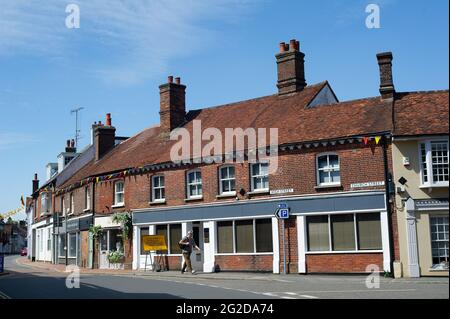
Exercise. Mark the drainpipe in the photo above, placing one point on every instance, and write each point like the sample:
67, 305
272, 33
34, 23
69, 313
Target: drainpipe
93, 224
387, 183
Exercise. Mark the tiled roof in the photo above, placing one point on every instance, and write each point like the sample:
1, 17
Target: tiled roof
290, 114
421, 113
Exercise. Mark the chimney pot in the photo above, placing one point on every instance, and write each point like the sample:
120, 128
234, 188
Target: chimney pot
293, 45
177, 80
68, 143
35, 176
108, 119
282, 47
72, 143
170, 79
297, 45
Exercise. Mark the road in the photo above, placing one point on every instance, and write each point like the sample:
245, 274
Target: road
30, 282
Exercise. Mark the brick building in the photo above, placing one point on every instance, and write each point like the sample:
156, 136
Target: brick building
333, 170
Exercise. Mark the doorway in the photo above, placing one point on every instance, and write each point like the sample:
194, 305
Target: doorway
197, 256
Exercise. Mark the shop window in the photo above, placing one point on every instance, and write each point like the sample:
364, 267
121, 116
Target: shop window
369, 232
318, 233
439, 242
72, 241
225, 237
162, 230
175, 237
264, 243
343, 232
144, 232
244, 236
115, 240
61, 245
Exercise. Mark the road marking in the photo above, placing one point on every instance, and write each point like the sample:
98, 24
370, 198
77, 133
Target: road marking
4, 296
309, 297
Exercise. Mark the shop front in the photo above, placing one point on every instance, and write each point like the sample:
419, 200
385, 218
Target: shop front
324, 233
111, 248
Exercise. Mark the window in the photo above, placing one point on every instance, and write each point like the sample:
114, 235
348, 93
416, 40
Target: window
369, 231
244, 236
115, 240
194, 184
46, 203
172, 234
434, 163
87, 198
62, 244
227, 180
318, 233
343, 232
158, 189
72, 205
346, 232
328, 170
63, 206
260, 177
439, 241
144, 232
67, 160
225, 237
49, 239
72, 238
118, 193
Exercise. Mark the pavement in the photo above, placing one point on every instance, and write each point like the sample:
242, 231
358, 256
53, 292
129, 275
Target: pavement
44, 280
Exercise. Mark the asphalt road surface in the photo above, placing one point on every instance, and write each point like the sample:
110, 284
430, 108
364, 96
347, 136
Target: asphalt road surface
30, 282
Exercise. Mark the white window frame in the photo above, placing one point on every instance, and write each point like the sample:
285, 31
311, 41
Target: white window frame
154, 199
330, 236
71, 204
63, 206
116, 203
46, 203
328, 169
222, 179
429, 163
233, 222
87, 198
252, 177
437, 240
188, 189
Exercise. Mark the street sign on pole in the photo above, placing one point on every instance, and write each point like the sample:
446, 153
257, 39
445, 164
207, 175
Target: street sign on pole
282, 212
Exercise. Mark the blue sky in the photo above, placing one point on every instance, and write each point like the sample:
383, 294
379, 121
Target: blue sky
223, 50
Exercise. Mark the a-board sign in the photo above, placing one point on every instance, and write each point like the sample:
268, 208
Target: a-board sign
153, 242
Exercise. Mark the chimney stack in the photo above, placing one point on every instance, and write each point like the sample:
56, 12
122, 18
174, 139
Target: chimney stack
35, 183
172, 105
70, 146
104, 137
387, 89
291, 68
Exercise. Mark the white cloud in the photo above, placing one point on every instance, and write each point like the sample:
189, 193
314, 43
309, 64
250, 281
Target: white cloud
12, 140
130, 40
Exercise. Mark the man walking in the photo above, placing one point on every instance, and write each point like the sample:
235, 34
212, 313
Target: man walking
186, 244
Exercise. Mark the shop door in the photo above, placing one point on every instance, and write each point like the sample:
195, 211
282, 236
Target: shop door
103, 252
197, 256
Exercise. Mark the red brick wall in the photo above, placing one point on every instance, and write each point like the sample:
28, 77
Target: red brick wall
244, 262
84, 245
342, 263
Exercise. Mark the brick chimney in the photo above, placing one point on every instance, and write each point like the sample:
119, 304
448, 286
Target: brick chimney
291, 68
387, 89
35, 183
104, 137
172, 109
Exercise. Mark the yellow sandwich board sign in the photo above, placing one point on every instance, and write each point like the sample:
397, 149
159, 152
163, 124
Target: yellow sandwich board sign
153, 242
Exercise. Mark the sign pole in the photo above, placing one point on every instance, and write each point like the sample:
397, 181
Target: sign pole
284, 250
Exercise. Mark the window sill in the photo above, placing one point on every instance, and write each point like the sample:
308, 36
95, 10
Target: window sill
157, 202
259, 192
344, 252
193, 199
425, 186
226, 195
324, 186
86, 210
118, 205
